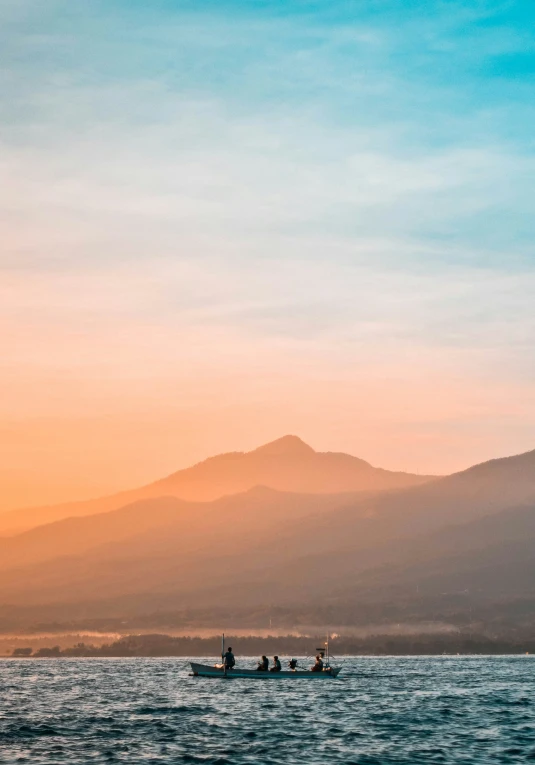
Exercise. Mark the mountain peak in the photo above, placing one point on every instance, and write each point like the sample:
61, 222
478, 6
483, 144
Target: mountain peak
287, 445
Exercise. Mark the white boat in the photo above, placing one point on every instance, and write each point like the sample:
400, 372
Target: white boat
219, 671
205, 670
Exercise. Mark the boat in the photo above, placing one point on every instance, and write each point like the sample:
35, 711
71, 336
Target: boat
219, 671
205, 670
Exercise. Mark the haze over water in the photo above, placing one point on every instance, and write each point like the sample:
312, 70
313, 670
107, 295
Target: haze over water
382, 711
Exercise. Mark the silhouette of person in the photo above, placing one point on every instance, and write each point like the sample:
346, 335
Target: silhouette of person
276, 665
228, 659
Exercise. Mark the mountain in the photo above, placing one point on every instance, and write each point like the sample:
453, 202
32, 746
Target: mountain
490, 556
471, 532
168, 524
157, 544
401, 549
371, 521
287, 465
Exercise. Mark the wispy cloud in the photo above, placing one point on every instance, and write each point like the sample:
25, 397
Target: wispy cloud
330, 190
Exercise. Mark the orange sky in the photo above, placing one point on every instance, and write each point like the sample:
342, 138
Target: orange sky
102, 389
221, 226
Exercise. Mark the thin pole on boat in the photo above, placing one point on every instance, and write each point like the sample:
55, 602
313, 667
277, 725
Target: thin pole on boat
223, 653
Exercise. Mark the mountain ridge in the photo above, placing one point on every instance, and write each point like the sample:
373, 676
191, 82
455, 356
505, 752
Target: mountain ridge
286, 464
270, 540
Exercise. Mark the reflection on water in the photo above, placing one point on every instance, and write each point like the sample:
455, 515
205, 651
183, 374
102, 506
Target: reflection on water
380, 711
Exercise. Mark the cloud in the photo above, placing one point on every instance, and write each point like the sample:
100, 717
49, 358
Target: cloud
243, 206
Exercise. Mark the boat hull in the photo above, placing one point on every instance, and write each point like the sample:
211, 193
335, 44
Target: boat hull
205, 670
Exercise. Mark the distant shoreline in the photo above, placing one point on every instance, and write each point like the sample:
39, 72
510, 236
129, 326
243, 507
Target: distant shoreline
165, 646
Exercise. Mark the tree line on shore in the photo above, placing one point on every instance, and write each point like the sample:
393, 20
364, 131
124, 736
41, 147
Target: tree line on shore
157, 645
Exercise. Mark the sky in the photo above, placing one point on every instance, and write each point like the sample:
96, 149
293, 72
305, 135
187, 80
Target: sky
222, 222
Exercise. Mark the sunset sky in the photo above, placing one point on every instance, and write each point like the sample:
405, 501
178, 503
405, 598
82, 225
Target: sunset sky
227, 221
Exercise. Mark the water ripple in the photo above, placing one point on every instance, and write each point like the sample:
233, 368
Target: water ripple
381, 711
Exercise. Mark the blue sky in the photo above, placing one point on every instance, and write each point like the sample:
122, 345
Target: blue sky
340, 119
349, 184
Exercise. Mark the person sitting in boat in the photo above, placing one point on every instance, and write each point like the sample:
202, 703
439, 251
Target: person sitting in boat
228, 659
292, 664
318, 666
263, 664
276, 665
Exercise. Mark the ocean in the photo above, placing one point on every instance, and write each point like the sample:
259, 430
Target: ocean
448, 709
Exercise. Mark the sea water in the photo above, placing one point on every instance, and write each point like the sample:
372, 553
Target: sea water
381, 710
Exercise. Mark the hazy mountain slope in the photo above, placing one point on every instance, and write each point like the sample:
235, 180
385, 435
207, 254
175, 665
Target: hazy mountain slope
486, 560
287, 465
490, 556
372, 521
168, 525
266, 545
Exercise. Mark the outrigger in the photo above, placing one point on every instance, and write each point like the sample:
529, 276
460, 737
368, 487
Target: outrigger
219, 670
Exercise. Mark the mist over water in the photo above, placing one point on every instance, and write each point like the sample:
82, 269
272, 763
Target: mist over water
380, 711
